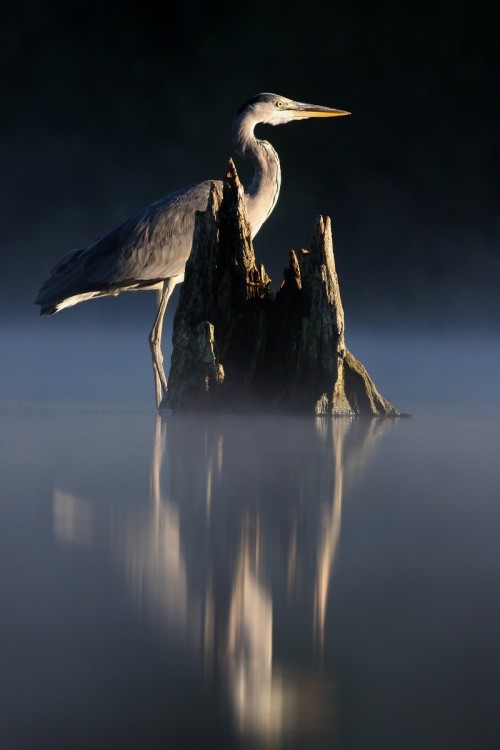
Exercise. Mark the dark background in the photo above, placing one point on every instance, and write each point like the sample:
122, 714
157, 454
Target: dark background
108, 107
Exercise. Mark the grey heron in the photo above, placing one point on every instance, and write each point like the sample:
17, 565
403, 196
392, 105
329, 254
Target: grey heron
149, 250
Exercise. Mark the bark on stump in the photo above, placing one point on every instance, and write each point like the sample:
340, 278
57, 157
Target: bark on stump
238, 347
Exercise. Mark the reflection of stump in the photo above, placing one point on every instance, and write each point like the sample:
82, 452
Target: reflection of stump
236, 346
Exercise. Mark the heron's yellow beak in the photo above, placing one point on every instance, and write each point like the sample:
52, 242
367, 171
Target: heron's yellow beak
333, 113
315, 110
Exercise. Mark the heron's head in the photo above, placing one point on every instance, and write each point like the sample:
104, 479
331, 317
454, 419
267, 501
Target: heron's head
277, 110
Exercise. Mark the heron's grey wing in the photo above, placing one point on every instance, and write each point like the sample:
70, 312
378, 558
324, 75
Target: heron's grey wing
154, 244
151, 246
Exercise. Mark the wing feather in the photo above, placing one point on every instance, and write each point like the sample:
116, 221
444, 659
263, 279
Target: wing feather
152, 245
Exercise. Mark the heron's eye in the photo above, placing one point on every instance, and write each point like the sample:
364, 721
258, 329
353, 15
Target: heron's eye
279, 104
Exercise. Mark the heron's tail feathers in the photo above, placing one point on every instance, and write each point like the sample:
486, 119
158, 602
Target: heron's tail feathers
66, 262
48, 309
68, 300
65, 286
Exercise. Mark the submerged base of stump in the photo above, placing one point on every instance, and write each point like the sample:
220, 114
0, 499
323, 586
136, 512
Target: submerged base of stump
238, 347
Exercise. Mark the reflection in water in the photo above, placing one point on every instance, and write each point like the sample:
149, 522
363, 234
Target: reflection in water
73, 518
151, 550
237, 544
257, 700
346, 461
330, 529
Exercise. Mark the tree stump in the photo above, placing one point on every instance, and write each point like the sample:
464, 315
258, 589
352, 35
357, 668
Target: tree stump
238, 347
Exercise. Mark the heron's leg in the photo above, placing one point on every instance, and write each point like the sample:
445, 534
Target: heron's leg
158, 385
155, 339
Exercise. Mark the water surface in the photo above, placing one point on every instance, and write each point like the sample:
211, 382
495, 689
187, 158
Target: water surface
248, 582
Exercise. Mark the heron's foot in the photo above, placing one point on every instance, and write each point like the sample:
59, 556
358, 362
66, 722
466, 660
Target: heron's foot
161, 386
163, 406
161, 392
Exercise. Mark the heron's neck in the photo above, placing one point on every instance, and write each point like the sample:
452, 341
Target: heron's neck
262, 194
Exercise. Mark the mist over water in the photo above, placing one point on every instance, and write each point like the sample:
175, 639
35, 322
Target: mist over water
71, 360
227, 581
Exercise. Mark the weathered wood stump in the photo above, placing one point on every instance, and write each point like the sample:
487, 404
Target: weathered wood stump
237, 347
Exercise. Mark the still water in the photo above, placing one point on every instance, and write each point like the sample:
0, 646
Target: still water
266, 582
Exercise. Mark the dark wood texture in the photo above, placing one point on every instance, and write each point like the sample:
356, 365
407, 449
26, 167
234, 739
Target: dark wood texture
238, 347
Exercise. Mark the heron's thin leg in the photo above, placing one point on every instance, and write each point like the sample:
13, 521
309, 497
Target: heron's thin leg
158, 386
155, 345
155, 340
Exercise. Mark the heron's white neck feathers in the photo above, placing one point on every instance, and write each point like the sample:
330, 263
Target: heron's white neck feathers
262, 194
